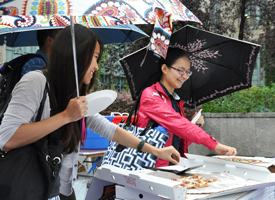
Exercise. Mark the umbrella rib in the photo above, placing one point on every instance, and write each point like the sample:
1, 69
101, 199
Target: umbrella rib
17, 35
127, 36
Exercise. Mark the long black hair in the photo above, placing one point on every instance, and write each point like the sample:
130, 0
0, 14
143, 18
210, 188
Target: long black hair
62, 75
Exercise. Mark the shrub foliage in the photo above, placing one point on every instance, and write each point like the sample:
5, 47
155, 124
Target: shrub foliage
254, 99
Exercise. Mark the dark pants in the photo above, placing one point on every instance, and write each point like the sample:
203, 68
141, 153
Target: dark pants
71, 197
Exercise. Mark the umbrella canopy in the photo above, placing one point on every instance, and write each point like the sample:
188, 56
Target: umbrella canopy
21, 30
137, 11
110, 12
24, 34
220, 65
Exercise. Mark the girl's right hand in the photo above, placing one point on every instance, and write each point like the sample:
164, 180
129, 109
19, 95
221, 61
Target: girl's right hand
76, 109
222, 149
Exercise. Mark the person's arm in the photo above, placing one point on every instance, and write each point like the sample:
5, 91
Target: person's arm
155, 108
161, 112
222, 149
123, 137
19, 128
99, 124
32, 132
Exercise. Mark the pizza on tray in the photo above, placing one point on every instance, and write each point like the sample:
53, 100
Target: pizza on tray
194, 181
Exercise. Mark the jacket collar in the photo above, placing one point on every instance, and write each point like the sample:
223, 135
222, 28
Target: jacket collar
174, 95
160, 89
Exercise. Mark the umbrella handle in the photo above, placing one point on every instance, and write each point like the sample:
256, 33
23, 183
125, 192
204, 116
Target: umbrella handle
74, 55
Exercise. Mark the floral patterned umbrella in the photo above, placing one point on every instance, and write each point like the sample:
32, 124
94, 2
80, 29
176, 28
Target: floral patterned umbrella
106, 12
220, 65
19, 31
135, 11
110, 12
159, 12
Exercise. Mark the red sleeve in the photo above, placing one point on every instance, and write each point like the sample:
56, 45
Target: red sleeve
157, 109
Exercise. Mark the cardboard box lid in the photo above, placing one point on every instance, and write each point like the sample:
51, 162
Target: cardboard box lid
263, 193
166, 189
257, 161
140, 181
213, 164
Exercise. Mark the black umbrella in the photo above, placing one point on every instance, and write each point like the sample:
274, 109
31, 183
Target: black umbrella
220, 65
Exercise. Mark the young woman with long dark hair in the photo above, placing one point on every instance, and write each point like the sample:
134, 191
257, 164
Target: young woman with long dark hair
19, 128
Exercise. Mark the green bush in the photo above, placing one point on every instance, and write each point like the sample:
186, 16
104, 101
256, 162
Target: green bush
254, 99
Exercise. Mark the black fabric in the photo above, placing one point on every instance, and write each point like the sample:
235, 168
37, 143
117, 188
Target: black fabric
29, 172
176, 139
151, 124
129, 158
71, 197
220, 65
10, 74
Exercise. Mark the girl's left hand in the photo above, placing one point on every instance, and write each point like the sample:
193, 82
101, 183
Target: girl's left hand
200, 121
169, 153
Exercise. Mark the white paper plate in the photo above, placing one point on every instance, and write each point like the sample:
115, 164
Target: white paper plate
100, 100
195, 119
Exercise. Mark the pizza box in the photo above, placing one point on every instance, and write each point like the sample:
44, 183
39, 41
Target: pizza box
266, 193
255, 173
137, 183
245, 180
259, 168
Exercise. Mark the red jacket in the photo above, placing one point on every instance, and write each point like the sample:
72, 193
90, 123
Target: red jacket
152, 106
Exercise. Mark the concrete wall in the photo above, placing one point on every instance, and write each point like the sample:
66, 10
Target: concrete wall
253, 134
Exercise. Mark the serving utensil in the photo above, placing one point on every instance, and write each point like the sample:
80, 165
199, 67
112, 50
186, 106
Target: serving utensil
177, 172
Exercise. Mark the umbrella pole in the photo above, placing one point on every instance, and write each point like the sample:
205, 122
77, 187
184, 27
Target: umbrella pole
83, 128
74, 56
192, 94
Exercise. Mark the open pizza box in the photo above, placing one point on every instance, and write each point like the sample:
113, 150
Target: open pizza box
235, 180
238, 177
136, 184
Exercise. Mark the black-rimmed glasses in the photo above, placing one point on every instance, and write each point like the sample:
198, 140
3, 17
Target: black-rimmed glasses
182, 72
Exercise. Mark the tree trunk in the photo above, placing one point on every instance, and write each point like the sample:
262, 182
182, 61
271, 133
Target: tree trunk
243, 18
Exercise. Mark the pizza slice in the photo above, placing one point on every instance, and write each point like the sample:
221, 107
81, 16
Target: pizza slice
195, 181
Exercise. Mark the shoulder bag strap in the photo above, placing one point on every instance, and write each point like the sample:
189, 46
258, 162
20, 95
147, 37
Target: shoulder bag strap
56, 135
42, 103
134, 109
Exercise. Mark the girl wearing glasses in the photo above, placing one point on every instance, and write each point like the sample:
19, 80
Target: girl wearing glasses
160, 103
